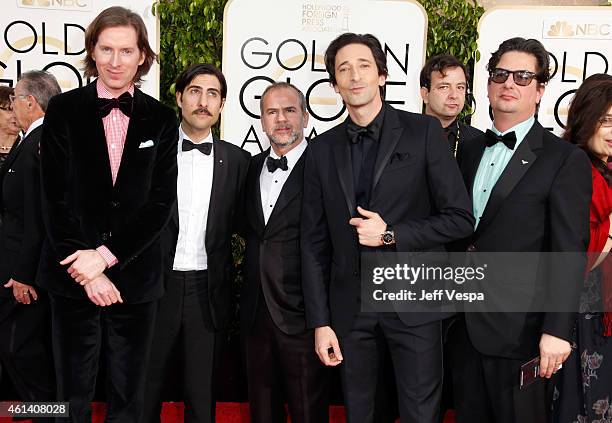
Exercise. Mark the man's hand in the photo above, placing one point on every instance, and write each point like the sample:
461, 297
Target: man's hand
22, 292
369, 228
102, 292
553, 352
325, 338
86, 265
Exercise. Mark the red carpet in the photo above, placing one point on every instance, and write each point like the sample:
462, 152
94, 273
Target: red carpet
227, 412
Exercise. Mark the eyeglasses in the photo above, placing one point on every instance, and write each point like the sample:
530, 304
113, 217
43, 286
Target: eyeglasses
606, 121
521, 77
12, 97
6, 108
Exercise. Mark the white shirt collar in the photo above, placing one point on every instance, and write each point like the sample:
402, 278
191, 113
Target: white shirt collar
183, 136
292, 156
34, 125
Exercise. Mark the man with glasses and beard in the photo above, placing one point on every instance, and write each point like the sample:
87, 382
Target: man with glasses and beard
279, 346
196, 308
530, 192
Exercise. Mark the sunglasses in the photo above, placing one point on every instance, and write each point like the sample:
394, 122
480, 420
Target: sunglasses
521, 77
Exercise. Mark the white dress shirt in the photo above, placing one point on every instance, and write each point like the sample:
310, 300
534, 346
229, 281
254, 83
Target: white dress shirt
194, 185
271, 183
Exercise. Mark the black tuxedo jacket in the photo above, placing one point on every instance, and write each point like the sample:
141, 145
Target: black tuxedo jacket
272, 257
417, 188
82, 208
539, 204
21, 231
224, 215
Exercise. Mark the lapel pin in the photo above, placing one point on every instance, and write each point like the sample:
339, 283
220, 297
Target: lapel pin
524, 162
220, 161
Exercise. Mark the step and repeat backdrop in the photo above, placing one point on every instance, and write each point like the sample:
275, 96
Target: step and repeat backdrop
49, 35
270, 40
579, 40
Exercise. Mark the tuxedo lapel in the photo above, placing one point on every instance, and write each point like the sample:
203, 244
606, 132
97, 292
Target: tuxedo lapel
344, 167
293, 185
522, 159
255, 208
389, 137
134, 136
472, 161
92, 120
220, 177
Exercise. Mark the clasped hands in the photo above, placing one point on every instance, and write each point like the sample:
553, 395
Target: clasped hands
86, 268
369, 228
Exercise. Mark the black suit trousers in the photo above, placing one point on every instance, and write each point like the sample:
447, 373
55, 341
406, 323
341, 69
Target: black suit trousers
416, 354
25, 348
80, 330
487, 388
184, 327
283, 366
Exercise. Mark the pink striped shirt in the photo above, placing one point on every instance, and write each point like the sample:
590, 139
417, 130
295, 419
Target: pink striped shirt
115, 129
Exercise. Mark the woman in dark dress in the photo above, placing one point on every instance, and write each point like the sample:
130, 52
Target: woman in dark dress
583, 392
8, 123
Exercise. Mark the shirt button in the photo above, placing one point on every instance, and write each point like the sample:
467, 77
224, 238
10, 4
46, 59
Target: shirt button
492, 164
114, 118
484, 190
270, 205
113, 146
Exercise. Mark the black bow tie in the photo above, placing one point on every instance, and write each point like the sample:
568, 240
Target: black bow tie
508, 139
274, 164
123, 103
356, 132
204, 147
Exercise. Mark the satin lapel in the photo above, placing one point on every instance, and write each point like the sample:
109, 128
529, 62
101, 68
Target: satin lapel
293, 185
254, 207
138, 121
522, 159
389, 137
97, 140
344, 166
220, 178
471, 164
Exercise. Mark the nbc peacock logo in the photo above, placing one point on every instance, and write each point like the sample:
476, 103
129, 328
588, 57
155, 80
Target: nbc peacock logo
577, 29
84, 5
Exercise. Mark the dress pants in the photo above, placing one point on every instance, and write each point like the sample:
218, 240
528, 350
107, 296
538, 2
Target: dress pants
487, 388
282, 366
80, 330
25, 348
183, 321
416, 354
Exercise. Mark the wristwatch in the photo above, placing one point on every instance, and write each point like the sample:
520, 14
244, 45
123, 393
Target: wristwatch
388, 236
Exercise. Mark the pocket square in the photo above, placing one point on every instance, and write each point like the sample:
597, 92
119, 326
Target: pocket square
146, 144
398, 157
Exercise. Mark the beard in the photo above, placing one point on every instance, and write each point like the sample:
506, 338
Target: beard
293, 137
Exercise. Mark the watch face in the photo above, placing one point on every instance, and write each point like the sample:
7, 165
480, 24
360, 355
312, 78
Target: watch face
387, 237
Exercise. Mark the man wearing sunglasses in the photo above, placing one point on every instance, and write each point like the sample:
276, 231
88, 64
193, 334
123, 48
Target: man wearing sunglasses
530, 192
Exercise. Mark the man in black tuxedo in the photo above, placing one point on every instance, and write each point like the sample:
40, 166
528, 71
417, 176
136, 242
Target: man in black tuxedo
279, 346
25, 350
444, 89
383, 180
530, 193
108, 182
198, 264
